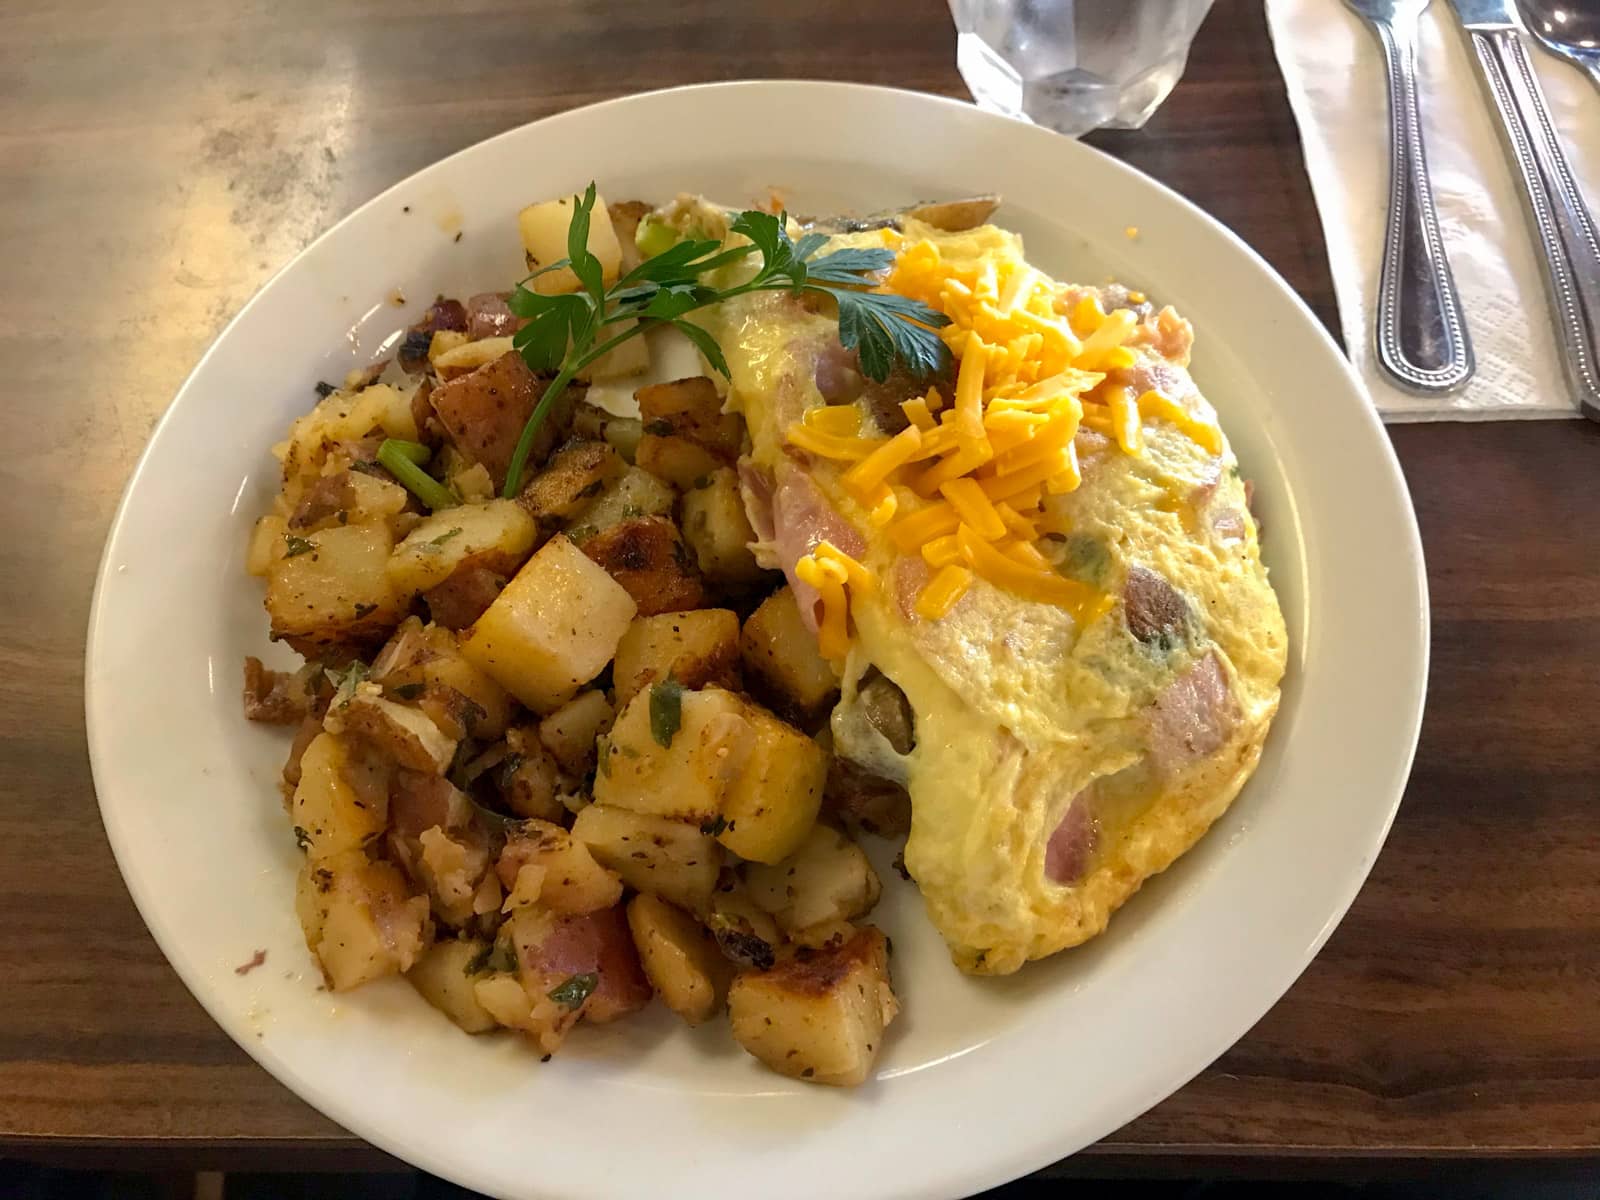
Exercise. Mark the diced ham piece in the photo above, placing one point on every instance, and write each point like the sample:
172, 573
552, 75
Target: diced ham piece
1067, 853
1192, 717
1228, 525
755, 489
801, 518
835, 373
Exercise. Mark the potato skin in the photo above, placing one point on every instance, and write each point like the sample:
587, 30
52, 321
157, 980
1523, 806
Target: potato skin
483, 412
781, 661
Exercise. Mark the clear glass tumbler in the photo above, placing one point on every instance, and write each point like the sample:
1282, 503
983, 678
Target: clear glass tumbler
1074, 65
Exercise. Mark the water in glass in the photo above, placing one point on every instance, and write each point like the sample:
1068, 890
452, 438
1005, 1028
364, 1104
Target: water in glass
1074, 65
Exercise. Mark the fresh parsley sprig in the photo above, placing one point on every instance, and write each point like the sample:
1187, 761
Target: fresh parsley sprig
566, 333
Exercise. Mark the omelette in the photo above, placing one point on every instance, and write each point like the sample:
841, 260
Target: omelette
1036, 572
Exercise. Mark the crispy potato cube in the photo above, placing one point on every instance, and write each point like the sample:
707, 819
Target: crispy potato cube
686, 433
772, 804
706, 734
331, 587
342, 799
359, 919
483, 413
782, 662
569, 878
745, 933
576, 473
442, 979
530, 779
569, 733
503, 997
717, 529
423, 664
636, 493
497, 536
452, 867
827, 880
680, 958
696, 648
820, 1015
553, 627
544, 239
654, 855
647, 557
405, 734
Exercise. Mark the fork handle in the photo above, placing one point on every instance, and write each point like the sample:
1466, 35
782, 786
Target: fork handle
1566, 231
1421, 335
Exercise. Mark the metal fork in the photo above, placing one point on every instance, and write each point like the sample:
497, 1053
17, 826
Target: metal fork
1421, 335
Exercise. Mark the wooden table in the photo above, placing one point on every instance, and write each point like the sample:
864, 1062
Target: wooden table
163, 158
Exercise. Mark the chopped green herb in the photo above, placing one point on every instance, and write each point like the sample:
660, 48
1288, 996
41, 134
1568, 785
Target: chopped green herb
565, 333
602, 747
572, 991
409, 691
659, 427
666, 710
345, 681
714, 827
434, 545
499, 957
297, 545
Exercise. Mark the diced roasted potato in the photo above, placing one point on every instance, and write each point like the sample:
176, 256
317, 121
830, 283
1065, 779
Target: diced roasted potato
718, 531
360, 920
342, 799
442, 341
346, 498
553, 627
442, 977
654, 855
544, 238
423, 664
820, 1015
585, 963
864, 801
647, 557
266, 544
621, 433
530, 779
632, 357
636, 493
679, 958
347, 415
576, 473
569, 878
483, 413
745, 933
673, 753
497, 536
451, 865
503, 997
569, 733
468, 355
405, 734
772, 803
827, 880
696, 648
686, 433
331, 588
782, 662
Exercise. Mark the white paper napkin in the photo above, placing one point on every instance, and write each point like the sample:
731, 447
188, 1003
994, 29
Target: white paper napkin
1334, 70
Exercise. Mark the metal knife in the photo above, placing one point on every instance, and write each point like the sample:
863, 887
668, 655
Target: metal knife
1569, 247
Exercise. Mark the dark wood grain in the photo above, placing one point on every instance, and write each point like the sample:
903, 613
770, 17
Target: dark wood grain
162, 159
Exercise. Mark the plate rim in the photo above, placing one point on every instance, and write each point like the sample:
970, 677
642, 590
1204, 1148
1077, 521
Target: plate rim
981, 1171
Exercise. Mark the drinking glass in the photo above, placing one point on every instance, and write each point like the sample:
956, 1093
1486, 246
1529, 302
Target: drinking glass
1074, 65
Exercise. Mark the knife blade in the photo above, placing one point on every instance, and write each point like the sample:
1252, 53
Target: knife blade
1562, 224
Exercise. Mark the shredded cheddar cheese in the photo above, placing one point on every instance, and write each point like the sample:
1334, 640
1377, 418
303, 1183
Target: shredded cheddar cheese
962, 484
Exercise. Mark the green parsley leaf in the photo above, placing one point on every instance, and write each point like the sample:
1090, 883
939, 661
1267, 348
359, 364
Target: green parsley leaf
345, 681
849, 266
543, 341
297, 545
706, 344
572, 991
883, 326
666, 710
584, 264
808, 245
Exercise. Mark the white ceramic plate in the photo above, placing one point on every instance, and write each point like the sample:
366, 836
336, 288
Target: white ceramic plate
980, 1081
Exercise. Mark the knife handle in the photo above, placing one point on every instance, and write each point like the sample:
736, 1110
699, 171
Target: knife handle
1421, 335
1566, 231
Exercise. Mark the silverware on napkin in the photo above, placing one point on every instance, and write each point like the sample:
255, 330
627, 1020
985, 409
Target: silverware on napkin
1569, 29
1569, 249
1421, 334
